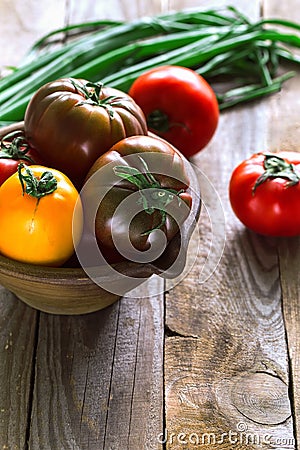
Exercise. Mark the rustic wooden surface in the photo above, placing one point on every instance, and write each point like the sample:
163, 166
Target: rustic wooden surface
211, 364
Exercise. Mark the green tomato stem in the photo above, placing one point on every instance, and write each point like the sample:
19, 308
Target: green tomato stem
160, 122
15, 146
36, 187
155, 197
276, 167
92, 96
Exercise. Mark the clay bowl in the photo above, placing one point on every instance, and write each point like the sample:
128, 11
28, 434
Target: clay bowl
69, 290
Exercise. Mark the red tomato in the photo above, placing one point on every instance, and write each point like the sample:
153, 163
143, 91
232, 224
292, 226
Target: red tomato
179, 106
264, 192
14, 149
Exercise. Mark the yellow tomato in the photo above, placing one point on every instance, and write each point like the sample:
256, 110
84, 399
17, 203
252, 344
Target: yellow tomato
39, 229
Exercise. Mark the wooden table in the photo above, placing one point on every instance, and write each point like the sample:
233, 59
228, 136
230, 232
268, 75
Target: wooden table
214, 362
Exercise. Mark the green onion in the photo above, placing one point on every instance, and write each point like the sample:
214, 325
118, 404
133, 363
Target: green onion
245, 93
220, 44
68, 32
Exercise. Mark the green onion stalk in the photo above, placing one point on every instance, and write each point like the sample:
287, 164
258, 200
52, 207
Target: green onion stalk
219, 44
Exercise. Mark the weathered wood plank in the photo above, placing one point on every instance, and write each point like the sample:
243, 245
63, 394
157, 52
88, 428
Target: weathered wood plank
135, 415
286, 110
67, 349
17, 346
105, 371
116, 10
238, 332
220, 395
22, 23
99, 380
289, 256
227, 336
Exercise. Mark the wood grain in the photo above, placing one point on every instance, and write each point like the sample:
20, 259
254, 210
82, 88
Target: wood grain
206, 399
289, 256
230, 375
99, 379
17, 351
286, 110
22, 23
117, 10
236, 353
227, 364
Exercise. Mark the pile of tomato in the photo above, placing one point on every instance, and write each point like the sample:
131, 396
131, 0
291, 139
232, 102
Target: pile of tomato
72, 129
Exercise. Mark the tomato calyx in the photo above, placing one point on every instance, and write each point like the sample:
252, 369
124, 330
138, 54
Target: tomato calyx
36, 187
277, 167
153, 196
159, 121
15, 146
93, 96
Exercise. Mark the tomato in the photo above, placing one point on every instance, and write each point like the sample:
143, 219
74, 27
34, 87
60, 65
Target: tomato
36, 216
141, 184
264, 192
179, 106
72, 122
15, 149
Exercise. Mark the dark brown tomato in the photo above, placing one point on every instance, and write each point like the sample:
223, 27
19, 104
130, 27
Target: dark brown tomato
72, 122
142, 187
